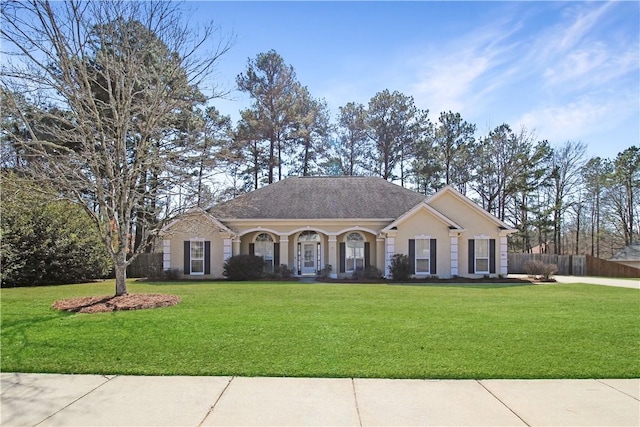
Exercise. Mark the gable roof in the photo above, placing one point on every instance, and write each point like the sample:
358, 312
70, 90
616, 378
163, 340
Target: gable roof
448, 189
628, 253
329, 197
424, 206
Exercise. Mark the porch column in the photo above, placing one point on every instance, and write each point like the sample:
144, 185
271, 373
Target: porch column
235, 246
380, 264
333, 256
284, 250
390, 251
453, 237
504, 259
227, 248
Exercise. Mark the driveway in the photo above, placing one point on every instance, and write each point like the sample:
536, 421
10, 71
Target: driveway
605, 281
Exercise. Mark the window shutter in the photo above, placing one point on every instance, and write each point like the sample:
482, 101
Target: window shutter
472, 255
207, 257
343, 256
492, 256
276, 255
412, 255
367, 254
432, 249
187, 257
252, 248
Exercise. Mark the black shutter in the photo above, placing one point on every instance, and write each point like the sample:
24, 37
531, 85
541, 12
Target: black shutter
367, 254
276, 254
412, 255
187, 257
472, 254
343, 256
252, 248
492, 256
434, 262
207, 257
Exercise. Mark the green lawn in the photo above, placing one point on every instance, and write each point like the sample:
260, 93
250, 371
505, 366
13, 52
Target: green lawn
291, 329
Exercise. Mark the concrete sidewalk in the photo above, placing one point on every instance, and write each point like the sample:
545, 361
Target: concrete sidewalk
605, 281
94, 400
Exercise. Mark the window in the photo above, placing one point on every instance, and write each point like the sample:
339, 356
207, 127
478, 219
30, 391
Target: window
197, 257
264, 249
423, 256
482, 255
354, 256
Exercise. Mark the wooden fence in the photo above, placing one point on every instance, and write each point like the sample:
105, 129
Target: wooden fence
572, 265
146, 265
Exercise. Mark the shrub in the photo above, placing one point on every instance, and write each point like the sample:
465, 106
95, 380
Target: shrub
45, 241
540, 270
370, 272
171, 274
244, 267
326, 271
400, 267
281, 271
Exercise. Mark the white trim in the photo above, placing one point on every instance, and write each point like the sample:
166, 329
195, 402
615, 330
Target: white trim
454, 255
475, 257
415, 257
227, 249
504, 258
166, 254
191, 259
390, 250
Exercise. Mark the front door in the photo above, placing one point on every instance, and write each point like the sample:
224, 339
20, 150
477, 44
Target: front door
309, 258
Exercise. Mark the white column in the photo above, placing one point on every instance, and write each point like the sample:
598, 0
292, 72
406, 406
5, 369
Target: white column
389, 253
166, 254
284, 250
454, 255
333, 256
227, 249
504, 259
235, 246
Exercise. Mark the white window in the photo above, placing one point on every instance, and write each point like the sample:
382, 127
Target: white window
482, 256
423, 256
264, 249
354, 256
197, 257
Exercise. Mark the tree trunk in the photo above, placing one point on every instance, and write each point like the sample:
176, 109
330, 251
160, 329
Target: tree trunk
120, 268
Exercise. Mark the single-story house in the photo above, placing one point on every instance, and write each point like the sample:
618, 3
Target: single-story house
349, 223
629, 255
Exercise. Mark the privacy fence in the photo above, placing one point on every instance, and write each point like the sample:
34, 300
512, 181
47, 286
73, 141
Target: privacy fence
573, 265
146, 265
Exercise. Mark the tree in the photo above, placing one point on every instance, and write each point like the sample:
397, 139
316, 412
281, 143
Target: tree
595, 177
394, 125
626, 183
273, 86
310, 132
353, 137
122, 72
453, 140
566, 163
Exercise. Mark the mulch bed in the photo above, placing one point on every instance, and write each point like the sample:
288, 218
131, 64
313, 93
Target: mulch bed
107, 303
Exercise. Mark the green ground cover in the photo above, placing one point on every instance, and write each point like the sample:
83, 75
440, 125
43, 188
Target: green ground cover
332, 330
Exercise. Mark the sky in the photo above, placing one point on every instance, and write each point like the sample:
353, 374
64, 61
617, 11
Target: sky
563, 70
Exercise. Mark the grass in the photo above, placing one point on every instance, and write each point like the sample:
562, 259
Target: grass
290, 329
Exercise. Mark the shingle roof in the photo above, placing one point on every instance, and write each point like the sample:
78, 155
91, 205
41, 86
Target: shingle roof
629, 253
322, 197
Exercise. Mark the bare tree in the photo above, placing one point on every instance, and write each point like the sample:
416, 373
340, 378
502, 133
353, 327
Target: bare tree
113, 77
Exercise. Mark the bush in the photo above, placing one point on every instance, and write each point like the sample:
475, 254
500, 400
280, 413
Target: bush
326, 271
370, 272
540, 270
400, 267
244, 267
281, 271
45, 241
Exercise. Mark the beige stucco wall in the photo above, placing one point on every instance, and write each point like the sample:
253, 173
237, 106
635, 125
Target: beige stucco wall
424, 223
194, 226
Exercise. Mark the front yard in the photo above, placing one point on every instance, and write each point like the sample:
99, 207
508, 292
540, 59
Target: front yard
332, 330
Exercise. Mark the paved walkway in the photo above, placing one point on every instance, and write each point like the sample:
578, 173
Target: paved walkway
95, 400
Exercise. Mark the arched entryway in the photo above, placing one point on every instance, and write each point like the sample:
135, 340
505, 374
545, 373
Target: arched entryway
309, 253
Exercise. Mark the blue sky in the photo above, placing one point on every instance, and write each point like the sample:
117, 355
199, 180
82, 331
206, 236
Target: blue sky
568, 71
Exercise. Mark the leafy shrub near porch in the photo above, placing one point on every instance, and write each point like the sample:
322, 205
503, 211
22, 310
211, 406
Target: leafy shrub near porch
400, 267
244, 267
370, 273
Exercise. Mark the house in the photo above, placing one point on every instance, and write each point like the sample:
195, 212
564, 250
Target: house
349, 223
629, 255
